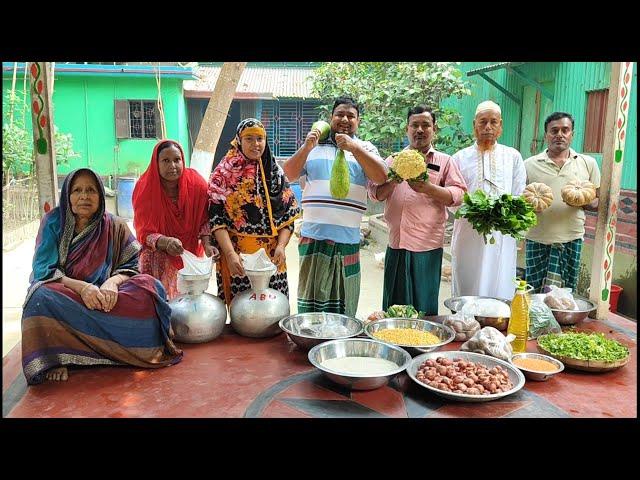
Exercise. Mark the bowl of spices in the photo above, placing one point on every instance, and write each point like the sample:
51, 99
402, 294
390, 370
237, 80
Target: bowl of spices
536, 366
410, 333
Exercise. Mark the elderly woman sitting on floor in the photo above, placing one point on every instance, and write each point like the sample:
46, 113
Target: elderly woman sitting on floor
87, 303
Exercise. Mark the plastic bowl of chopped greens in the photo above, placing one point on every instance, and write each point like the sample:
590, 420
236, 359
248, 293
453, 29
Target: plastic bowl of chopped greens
586, 351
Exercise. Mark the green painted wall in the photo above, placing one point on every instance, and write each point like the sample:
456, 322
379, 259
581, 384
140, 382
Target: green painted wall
482, 90
84, 106
569, 82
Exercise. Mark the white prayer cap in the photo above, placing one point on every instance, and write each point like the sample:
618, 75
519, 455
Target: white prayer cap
488, 105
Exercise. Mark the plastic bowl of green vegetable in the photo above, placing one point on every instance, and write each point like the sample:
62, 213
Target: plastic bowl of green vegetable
586, 351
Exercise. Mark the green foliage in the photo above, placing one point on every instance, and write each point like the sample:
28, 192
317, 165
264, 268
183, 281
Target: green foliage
403, 311
506, 214
339, 182
385, 92
17, 141
17, 147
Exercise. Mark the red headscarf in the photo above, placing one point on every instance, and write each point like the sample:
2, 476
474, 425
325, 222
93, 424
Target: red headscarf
154, 212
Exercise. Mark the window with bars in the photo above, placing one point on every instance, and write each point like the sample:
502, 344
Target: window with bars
594, 124
287, 124
137, 119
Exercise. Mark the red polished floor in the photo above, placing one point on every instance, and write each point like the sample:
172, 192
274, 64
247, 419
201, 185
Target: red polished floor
234, 376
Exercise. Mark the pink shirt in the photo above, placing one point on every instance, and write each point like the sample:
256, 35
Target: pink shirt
417, 221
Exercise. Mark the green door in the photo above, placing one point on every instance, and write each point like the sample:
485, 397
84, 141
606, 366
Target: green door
535, 109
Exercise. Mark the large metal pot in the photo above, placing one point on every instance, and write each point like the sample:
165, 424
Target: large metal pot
256, 312
196, 316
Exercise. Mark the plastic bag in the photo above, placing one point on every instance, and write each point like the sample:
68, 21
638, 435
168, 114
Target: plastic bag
490, 341
541, 319
486, 307
465, 326
258, 262
194, 265
560, 298
195, 274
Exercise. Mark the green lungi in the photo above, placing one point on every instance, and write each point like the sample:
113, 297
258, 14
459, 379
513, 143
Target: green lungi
412, 278
556, 264
329, 278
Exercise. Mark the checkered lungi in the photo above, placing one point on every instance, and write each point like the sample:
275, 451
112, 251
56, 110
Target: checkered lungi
556, 264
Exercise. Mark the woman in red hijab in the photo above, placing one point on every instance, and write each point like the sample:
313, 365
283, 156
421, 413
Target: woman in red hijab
170, 214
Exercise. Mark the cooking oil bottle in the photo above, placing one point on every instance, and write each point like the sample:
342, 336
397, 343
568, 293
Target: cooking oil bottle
519, 322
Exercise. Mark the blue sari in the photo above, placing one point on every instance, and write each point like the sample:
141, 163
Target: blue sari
59, 330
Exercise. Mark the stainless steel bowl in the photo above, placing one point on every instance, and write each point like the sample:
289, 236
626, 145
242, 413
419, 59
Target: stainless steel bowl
571, 317
445, 334
358, 347
537, 375
302, 328
455, 304
515, 375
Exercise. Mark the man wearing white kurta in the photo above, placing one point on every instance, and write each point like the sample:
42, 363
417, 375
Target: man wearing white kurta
478, 268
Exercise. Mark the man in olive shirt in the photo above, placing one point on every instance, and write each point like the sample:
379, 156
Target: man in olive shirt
554, 245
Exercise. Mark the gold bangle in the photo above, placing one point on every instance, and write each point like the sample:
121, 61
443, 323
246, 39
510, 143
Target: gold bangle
84, 288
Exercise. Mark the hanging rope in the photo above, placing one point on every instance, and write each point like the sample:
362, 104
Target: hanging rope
163, 128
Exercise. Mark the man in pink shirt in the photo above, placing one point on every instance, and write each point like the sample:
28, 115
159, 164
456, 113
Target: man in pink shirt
416, 214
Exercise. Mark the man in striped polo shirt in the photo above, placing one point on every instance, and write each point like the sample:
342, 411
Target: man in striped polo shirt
329, 278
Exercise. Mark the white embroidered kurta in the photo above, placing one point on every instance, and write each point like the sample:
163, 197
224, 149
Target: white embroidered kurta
478, 268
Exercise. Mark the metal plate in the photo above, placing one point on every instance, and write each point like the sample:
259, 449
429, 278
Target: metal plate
515, 375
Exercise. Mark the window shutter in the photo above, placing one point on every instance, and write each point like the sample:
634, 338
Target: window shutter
309, 115
288, 126
247, 109
595, 120
122, 119
267, 117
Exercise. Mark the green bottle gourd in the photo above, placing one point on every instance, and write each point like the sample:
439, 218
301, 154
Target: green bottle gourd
339, 182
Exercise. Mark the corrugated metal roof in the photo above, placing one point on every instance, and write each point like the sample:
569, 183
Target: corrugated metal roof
495, 66
255, 83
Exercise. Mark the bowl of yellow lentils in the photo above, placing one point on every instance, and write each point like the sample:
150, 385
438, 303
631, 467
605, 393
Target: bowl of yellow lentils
410, 333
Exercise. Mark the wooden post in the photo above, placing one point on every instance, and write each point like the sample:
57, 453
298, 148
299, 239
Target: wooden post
12, 98
215, 117
616, 125
43, 137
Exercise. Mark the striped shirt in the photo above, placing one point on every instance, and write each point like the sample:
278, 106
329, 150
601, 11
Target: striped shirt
325, 217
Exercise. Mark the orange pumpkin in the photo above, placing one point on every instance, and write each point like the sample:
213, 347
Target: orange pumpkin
538, 195
578, 193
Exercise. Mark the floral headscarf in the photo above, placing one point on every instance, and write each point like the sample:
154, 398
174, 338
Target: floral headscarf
248, 197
